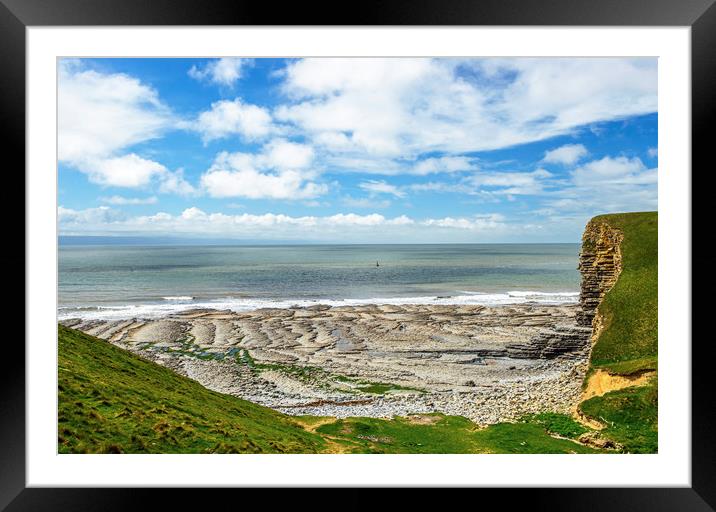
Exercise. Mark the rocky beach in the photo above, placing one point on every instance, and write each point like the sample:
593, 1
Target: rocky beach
489, 364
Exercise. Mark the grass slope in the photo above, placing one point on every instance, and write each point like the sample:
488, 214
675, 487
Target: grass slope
436, 433
111, 401
628, 342
631, 416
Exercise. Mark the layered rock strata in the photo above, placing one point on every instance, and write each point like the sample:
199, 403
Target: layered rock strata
599, 263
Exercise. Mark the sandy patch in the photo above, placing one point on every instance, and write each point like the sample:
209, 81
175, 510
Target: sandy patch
423, 419
601, 382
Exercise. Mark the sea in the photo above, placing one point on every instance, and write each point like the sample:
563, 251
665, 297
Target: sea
112, 282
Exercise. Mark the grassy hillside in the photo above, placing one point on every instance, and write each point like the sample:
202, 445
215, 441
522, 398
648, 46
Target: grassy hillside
628, 342
111, 401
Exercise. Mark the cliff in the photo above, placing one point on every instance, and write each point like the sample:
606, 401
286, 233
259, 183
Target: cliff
619, 267
600, 262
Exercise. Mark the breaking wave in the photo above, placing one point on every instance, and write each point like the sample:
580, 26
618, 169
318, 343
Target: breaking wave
181, 303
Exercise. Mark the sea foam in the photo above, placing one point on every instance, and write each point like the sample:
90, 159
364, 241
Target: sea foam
178, 304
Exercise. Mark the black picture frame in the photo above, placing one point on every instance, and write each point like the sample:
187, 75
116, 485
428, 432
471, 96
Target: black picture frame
700, 15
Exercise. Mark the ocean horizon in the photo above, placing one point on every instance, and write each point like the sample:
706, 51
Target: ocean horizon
121, 281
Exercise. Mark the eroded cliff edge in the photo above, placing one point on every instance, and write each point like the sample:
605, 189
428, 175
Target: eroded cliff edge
600, 262
619, 301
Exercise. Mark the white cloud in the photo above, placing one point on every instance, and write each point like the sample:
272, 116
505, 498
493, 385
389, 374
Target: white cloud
381, 187
564, 93
174, 183
492, 186
282, 154
126, 171
652, 152
444, 164
133, 171
477, 222
403, 108
568, 154
255, 185
193, 213
227, 118
195, 220
225, 71
101, 114
120, 200
513, 183
370, 227
607, 185
614, 171
280, 171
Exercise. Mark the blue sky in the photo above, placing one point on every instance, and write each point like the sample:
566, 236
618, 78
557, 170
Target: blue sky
354, 150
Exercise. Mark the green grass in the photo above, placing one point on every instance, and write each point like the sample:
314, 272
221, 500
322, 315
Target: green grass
320, 377
630, 415
446, 434
112, 401
628, 341
559, 424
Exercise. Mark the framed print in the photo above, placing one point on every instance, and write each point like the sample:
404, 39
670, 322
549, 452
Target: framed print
444, 247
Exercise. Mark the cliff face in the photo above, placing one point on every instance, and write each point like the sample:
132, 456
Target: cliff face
600, 262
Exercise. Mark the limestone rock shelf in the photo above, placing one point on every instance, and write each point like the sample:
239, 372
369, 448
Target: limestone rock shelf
486, 363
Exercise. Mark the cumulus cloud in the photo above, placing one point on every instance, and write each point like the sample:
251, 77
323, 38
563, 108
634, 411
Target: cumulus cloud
234, 118
476, 222
174, 183
370, 227
195, 220
133, 171
282, 170
125, 171
568, 154
283, 154
100, 115
225, 71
